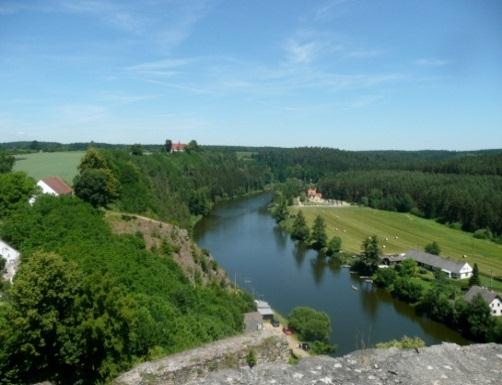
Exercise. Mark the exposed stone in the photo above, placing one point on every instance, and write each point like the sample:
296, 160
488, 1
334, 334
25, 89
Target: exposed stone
446, 364
177, 369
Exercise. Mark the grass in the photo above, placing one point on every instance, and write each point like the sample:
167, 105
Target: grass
412, 232
42, 164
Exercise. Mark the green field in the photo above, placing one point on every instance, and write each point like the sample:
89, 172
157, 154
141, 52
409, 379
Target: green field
42, 164
412, 232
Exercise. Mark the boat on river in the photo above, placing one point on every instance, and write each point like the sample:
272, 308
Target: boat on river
355, 287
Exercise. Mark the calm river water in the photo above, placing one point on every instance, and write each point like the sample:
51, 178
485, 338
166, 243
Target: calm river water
245, 240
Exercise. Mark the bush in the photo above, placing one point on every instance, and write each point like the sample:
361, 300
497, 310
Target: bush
483, 234
251, 358
408, 289
311, 325
385, 277
404, 343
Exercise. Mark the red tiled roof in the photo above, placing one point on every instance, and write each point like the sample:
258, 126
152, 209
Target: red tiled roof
178, 146
58, 185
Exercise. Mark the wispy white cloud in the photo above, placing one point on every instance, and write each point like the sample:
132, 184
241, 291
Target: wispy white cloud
328, 9
431, 62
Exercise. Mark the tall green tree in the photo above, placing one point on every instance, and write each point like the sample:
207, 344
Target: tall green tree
168, 145
433, 248
334, 245
6, 162
475, 280
371, 251
15, 190
137, 149
92, 159
300, 229
311, 325
318, 235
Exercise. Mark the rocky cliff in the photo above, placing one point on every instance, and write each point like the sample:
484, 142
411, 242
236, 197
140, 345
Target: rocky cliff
446, 364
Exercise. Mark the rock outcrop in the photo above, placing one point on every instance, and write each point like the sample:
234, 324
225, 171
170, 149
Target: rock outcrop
446, 364
178, 369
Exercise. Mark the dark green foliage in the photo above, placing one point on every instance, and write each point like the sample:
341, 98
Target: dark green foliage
408, 289
407, 268
193, 146
311, 325
322, 347
15, 190
318, 235
475, 280
92, 186
483, 234
370, 253
251, 358
432, 248
175, 188
168, 145
300, 230
385, 277
477, 316
334, 246
113, 302
6, 162
280, 208
2, 264
137, 150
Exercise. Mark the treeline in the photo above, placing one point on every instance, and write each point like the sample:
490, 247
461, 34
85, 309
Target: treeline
178, 187
313, 163
87, 304
471, 202
36, 146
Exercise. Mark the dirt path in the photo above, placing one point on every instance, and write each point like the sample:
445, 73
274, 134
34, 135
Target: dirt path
292, 340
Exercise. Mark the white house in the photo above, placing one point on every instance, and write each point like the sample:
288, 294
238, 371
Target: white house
52, 185
453, 269
491, 298
11, 257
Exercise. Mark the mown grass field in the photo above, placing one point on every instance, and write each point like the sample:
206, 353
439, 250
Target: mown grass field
354, 224
42, 164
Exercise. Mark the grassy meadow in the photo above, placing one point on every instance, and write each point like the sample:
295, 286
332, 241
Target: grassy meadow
42, 164
353, 224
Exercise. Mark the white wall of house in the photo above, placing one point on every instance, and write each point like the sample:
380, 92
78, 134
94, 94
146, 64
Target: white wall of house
496, 307
11, 257
466, 271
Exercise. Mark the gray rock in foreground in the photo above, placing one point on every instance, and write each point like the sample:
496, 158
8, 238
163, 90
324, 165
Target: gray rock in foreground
439, 365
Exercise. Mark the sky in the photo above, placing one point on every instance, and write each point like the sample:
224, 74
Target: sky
349, 74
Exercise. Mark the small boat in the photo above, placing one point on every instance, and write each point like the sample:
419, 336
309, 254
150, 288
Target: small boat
355, 287
368, 280
347, 266
363, 277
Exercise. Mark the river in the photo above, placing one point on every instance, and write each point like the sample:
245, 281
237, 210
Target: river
262, 258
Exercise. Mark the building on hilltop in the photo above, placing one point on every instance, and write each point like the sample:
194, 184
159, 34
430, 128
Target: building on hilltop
264, 309
493, 300
313, 195
178, 147
11, 257
453, 269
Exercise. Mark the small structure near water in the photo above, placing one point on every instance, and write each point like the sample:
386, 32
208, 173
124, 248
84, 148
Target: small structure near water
264, 309
492, 299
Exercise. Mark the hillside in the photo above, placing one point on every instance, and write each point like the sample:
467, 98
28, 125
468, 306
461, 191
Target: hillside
39, 165
354, 224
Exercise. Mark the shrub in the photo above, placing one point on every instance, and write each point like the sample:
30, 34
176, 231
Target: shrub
311, 325
251, 358
483, 234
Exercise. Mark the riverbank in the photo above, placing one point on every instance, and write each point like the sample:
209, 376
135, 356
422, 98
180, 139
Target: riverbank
261, 257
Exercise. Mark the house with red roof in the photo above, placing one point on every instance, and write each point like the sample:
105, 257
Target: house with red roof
178, 147
54, 185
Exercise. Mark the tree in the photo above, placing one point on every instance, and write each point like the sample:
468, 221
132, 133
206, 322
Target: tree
371, 251
192, 146
92, 159
385, 277
300, 229
479, 319
137, 149
407, 268
280, 211
334, 246
433, 248
168, 145
311, 325
6, 162
475, 280
318, 235
15, 190
95, 186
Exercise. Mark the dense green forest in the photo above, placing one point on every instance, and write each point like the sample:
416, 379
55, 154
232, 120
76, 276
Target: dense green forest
86, 303
178, 187
471, 201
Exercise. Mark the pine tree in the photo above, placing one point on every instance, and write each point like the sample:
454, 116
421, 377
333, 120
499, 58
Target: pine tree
319, 237
475, 280
300, 229
371, 251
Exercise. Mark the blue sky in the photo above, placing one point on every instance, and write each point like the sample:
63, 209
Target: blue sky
350, 74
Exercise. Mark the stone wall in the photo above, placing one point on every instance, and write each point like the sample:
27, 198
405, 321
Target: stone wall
177, 369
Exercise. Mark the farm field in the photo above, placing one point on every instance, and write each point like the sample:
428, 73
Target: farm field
42, 164
412, 232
